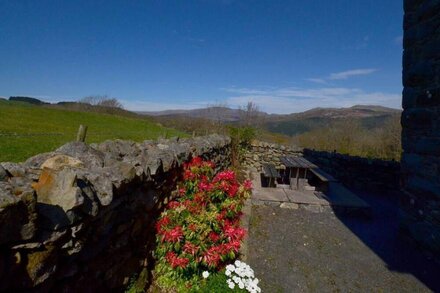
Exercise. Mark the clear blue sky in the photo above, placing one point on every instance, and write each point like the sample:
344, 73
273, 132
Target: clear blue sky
287, 56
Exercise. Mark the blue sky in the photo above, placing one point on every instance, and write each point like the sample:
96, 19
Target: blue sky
286, 56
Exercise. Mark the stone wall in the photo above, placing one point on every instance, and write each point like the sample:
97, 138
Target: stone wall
370, 174
82, 218
352, 171
263, 152
421, 122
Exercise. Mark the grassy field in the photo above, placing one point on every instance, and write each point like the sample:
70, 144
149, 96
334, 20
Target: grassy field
26, 130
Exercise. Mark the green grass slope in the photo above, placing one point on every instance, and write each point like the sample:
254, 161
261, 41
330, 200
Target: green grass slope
26, 130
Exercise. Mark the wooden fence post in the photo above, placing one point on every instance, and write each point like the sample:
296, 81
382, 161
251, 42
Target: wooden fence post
82, 131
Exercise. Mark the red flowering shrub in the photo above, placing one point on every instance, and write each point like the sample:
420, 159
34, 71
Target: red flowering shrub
199, 230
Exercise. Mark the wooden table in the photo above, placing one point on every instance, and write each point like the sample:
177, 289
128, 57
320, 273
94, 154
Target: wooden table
300, 163
270, 172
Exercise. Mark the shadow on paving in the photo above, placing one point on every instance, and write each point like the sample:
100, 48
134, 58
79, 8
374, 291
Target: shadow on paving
381, 235
302, 251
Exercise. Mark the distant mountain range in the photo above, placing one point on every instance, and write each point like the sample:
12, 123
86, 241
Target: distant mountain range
222, 114
228, 114
370, 116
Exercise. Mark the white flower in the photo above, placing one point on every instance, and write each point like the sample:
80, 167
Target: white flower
230, 284
237, 263
205, 274
228, 273
230, 268
241, 285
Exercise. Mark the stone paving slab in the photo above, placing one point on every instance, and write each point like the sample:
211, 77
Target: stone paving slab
306, 197
340, 196
270, 194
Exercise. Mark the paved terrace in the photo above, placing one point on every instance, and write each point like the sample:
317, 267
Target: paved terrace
303, 243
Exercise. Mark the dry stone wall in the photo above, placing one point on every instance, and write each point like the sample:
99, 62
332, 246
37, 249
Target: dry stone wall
421, 122
358, 172
261, 152
82, 218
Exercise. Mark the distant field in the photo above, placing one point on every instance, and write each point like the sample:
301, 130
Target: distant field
26, 130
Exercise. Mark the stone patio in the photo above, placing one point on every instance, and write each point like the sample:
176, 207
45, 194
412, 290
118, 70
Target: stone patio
337, 198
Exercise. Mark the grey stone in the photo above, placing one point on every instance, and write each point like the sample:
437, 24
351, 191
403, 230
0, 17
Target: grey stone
27, 246
90, 157
119, 149
38, 160
289, 205
14, 169
102, 184
312, 208
272, 203
17, 215
3, 175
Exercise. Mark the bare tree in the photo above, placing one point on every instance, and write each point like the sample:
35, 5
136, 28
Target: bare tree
250, 114
112, 103
102, 101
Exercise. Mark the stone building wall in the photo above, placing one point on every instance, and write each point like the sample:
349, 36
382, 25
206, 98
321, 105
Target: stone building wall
421, 122
82, 218
264, 152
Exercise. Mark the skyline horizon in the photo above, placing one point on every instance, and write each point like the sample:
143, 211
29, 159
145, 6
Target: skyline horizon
201, 107
154, 55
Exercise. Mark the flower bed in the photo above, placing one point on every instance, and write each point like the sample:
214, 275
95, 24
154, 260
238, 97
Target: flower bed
199, 232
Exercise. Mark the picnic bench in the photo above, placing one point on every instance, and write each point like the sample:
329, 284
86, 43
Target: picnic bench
270, 173
301, 166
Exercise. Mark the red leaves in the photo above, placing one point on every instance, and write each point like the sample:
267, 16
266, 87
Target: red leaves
234, 233
201, 226
173, 235
190, 248
173, 204
227, 175
214, 237
162, 223
176, 261
247, 184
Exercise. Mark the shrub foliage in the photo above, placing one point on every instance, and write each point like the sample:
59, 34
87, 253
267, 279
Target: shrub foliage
199, 231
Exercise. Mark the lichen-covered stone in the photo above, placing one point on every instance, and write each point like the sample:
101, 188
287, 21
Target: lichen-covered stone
59, 188
58, 162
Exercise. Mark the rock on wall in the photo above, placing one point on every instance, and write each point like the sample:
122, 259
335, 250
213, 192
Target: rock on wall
421, 122
370, 174
82, 217
263, 152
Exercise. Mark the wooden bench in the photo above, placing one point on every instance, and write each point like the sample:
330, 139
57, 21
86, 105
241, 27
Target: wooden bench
270, 172
323, 178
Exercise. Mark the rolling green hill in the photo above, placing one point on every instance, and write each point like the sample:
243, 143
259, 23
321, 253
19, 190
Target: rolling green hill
26, 129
